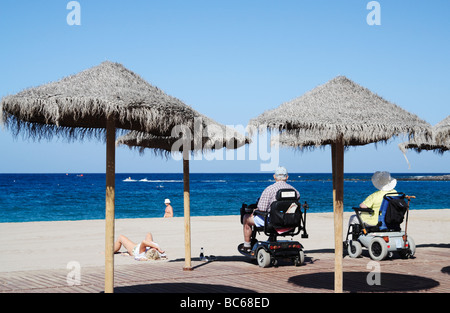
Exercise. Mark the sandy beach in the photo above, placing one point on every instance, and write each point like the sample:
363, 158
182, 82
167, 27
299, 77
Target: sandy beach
52, 245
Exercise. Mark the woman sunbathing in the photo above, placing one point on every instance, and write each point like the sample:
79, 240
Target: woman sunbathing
147, 249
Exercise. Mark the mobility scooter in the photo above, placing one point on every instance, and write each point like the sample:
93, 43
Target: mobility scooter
386, 237
285, 218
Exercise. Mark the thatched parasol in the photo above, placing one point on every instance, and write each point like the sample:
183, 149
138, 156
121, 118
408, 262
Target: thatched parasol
81, 104
442, 131
340, 113
208, 135
99, 99
420, 143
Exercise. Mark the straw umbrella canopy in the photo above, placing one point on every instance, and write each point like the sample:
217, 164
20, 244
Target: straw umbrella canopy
208, 135
95, 102
420, 143
442, 131
338, 113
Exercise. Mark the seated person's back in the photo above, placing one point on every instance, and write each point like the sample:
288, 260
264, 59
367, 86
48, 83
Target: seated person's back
385, 184
374, 202
268, 196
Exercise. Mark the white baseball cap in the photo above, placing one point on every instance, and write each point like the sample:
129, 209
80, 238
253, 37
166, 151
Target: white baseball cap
281, 172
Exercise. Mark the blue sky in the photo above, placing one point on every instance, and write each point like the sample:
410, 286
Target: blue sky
231, 60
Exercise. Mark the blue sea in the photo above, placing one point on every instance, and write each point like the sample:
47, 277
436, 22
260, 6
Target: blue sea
52, 197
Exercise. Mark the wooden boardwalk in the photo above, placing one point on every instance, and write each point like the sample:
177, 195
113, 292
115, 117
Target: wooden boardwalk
428, 272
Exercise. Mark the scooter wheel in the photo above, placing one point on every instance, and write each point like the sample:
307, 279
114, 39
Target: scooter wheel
300, 259
263, 258
354, 249
378, 249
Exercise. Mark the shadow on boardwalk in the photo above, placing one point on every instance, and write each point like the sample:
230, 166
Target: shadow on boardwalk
365, 282
181, 288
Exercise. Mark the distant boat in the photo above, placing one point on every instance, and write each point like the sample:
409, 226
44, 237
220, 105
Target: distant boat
129, 179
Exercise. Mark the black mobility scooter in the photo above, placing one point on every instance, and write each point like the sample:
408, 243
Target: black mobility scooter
285, 218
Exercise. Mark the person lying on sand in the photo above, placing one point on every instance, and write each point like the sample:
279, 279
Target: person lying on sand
147, 249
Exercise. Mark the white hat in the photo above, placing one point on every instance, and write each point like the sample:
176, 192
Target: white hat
167, 201
281, 172
383, 181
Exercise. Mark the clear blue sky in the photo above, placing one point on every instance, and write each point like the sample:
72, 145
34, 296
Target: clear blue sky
231, 60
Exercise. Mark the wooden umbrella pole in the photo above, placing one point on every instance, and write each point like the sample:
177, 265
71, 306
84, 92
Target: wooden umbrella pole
338, 208
109, 212
187, 213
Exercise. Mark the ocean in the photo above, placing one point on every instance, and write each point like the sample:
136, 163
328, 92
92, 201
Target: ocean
55, 197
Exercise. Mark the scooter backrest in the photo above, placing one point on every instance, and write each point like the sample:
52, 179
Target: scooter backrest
385, 207
286, 194
286, 200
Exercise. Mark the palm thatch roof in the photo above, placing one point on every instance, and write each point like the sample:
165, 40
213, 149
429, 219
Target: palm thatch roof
300, 140
419, 143
442, 131
80, 104
338, 108
208, 135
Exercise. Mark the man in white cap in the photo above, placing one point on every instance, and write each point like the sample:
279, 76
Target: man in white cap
267, 197
385, 184
169, 209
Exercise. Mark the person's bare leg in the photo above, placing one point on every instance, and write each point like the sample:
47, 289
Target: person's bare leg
148, 237
248, 223
127, 243
148, 242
